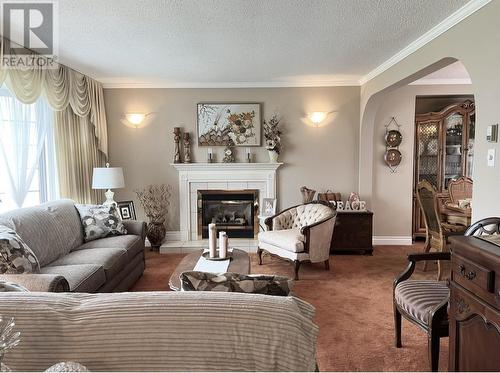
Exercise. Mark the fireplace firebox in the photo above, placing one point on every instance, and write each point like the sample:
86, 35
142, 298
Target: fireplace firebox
233, 211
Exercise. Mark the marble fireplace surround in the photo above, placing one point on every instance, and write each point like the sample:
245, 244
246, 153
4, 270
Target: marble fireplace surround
214, 176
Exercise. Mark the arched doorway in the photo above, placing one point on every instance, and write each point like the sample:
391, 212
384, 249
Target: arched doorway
391, 194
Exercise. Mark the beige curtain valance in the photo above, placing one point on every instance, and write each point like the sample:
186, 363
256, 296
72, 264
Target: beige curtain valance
62, 87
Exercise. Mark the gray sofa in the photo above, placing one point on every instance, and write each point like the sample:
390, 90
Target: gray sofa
55, 234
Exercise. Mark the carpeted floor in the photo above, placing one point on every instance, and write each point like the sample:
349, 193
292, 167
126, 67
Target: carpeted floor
353, 308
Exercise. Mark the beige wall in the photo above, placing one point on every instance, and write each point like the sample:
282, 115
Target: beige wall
475, 42
321, 158
392, 192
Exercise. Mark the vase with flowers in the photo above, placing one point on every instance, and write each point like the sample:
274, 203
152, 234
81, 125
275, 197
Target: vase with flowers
155, 201
272, 135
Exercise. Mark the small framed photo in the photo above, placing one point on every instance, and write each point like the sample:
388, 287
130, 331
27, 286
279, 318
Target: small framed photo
127, 210
269, 206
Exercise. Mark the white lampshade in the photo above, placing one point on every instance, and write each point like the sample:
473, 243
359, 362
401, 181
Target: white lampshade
108, 178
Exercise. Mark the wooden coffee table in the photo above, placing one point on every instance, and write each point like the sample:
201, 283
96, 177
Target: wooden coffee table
239, 264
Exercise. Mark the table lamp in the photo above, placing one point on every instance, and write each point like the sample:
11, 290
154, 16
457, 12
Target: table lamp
108, 178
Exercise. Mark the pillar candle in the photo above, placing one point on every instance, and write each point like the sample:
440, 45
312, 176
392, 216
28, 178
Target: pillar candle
212, 239
222, 244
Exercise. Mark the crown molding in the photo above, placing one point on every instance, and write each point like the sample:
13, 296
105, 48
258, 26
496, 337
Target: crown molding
109, 84
462, 13
424, 81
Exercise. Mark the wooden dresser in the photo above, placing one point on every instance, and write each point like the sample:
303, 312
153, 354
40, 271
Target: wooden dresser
474, 305
353, 232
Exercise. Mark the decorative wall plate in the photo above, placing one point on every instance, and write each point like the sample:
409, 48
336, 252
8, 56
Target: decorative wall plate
393, 138
392, 157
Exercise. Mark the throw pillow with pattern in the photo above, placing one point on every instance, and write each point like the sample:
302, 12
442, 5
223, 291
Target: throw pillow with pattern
234, 282
15, 255
100, 221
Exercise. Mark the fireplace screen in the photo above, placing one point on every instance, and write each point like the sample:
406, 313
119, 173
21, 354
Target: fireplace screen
232, 211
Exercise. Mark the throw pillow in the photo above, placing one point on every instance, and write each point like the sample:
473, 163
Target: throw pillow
234, 282
10, 286
100, 221
15, 255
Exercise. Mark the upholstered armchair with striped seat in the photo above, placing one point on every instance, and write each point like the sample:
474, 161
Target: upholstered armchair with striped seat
424, 303
300, 234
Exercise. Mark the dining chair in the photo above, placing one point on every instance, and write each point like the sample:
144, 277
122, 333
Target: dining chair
437, 231
460, 189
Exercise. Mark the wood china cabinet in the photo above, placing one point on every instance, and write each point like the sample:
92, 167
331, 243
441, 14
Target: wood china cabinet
444, 150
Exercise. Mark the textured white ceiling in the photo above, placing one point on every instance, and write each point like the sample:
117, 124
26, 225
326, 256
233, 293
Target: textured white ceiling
456, 73
255, 42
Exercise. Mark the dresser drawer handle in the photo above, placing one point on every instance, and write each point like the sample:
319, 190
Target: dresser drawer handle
469, 276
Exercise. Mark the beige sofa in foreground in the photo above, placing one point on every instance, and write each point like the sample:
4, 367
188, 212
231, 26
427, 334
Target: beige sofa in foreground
54, 233
162, 331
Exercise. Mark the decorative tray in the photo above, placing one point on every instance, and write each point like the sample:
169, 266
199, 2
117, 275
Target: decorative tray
206, 255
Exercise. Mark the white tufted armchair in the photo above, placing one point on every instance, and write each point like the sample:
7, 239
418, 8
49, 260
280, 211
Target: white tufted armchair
300, 234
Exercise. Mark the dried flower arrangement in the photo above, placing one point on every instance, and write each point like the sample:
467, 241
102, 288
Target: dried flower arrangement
155, 201
272, 134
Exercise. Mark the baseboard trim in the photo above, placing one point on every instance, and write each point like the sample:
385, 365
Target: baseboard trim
392, 240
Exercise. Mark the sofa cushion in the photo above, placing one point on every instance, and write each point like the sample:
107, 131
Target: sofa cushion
100, 221
133, 244
51, 230
420, 297
82, 278
288, 239
15, 255
236, 283
113, 260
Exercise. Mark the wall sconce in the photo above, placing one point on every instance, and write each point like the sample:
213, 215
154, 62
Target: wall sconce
317, 117
136, 119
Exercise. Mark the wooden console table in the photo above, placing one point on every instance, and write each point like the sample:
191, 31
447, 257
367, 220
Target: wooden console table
353, 232
474, 311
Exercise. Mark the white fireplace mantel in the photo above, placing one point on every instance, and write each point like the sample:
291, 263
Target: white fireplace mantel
224, 176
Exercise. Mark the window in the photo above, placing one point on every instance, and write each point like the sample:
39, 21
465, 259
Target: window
27, 153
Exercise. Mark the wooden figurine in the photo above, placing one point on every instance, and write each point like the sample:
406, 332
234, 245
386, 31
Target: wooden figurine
177, 137
187, 148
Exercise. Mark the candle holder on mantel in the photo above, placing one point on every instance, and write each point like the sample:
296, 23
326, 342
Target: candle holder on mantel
249, 155
177, 152
210, 156
187, 148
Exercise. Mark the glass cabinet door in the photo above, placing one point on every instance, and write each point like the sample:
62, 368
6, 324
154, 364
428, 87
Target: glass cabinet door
453, 151
469, 171
428, 153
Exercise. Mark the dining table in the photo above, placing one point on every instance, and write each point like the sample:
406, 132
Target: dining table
453, 214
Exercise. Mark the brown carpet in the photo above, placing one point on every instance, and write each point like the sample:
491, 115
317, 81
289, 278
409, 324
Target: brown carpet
353, 308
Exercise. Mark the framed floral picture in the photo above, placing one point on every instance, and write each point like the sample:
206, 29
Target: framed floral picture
127, 210
229, 124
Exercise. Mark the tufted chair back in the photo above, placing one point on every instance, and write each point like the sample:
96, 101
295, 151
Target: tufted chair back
300, 216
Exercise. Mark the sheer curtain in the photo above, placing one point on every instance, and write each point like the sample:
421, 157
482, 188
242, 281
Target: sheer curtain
23, 142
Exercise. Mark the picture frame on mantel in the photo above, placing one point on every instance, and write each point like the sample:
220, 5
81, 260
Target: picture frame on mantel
229, 124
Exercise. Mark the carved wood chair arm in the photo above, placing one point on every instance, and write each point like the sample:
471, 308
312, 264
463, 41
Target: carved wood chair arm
413, 259
428, 256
